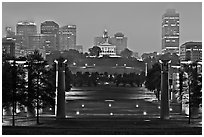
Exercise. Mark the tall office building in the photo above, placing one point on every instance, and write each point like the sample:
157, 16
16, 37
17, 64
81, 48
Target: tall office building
42, 41
120, 41
191, 51
170, 32
50, 28
8, 46
9, 32
67, 37
25, 29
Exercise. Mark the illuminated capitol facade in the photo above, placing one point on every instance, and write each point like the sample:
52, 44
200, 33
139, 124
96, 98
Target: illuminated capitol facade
106, 47
111, 46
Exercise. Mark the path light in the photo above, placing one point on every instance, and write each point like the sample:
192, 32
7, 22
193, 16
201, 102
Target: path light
109, 105
144, 113
137, 106
158, 107
111, 113
171, 109
147, 120
82, 105
77, 112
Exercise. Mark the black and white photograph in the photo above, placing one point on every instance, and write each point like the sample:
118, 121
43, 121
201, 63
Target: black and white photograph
101, 68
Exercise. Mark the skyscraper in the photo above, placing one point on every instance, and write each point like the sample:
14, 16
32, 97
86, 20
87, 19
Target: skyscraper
120, 41
50, 28
9, 32
170, 32
25, 29
67, 36
191, 51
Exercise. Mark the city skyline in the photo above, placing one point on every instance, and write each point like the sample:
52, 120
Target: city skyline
140, 22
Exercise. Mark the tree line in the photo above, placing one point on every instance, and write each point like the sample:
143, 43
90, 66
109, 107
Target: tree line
96, 79
25, 83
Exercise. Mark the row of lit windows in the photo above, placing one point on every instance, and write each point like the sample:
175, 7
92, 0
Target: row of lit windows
171, 37
172, 25
107, 49
48, 27
110, 51
171, 18
193, 50
174, 21
168, 40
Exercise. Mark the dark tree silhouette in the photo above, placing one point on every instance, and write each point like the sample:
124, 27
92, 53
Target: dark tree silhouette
153, 79
95, 51
126, 53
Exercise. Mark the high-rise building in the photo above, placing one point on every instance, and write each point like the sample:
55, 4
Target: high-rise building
9, 32
191, 51
67, 38
8, 46
42, 41
25, 29
119, 41
170, 32
50, 28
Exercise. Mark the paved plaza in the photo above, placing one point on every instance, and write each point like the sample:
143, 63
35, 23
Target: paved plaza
108, 110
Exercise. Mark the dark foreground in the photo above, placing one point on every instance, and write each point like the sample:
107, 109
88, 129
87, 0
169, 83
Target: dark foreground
107, 126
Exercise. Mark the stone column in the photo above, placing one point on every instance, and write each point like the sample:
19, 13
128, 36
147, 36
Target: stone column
164, 113
61, 91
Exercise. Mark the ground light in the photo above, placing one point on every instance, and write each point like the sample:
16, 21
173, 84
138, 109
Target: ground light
147, 120
144, 113
158, 107
111, 113
171, 109
109, 105
82, 105
77, 112
137, 106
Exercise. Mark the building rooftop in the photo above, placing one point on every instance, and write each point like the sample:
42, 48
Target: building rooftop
26, 23
49, 23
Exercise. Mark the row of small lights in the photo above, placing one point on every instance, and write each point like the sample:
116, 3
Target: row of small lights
95, 64
144, 113
137, 106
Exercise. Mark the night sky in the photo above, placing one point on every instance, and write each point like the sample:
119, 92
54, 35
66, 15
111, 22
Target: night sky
140, 22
